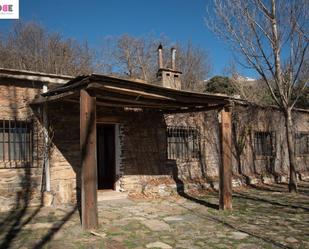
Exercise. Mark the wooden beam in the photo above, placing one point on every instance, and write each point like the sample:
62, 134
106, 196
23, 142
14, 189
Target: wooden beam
59, 97
137, 99
115, 104
225, 170
141, 103
88, 160
127, 101
107, 101
133, 92
195, 109
110, 119
176, 95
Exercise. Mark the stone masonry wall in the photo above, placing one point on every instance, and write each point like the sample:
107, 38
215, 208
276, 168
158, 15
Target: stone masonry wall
140, 172
64, 152
143, 148
144, 144
143, 165
256, 119
174, 174
207, 165
20, 184
253, 119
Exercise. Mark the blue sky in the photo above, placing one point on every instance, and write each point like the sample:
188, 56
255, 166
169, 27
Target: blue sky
179, 20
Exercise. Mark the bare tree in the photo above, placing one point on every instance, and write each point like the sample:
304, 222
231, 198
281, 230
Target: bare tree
272, 37
130, 56
30, 47
136, 57
195, 65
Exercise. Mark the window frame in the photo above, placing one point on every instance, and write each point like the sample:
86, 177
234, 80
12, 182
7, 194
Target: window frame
183, 143
258, 147
16, 143
297, 152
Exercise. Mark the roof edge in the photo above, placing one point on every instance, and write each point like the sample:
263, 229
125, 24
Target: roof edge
34, 76
248, 103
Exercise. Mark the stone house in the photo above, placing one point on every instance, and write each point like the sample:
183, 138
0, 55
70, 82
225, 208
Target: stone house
62, 137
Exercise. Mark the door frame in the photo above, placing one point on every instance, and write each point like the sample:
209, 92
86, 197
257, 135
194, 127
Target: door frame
117, 149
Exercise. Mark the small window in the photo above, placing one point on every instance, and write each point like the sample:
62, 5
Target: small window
302, 143
183, 143
15, 141
264, 143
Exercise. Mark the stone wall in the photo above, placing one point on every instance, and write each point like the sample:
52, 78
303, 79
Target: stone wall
65, 151
174, 175
142, 139
268, 120
143, 151
255, 167
20, 184
144, 144
205, 167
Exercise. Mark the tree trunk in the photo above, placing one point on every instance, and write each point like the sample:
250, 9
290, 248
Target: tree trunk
291, 151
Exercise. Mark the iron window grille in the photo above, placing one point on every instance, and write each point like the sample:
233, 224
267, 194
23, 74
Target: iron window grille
15, 141
302, 143
183, 143
264, 143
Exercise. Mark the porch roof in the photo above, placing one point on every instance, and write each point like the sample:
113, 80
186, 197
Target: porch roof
124, 93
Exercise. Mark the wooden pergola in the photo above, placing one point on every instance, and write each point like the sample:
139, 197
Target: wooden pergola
100, 90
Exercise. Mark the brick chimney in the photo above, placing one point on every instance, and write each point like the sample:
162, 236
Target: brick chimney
168, 77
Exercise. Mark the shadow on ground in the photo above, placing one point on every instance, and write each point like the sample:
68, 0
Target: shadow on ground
270, 213
18, 223
267, 212
180, 186
260, 219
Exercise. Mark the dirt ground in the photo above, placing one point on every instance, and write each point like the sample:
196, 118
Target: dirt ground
264, 216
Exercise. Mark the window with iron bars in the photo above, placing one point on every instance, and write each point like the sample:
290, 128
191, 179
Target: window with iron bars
15, 141
183, 143
264, 143
302, 143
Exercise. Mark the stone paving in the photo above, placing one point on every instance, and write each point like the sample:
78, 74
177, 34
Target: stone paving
264, 216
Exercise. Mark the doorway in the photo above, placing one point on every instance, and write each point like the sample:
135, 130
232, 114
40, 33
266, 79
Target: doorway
106, 156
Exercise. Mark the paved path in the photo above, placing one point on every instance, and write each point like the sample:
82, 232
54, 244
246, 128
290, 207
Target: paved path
263, 217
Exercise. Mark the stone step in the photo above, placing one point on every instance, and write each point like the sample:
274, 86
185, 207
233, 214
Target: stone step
105, 195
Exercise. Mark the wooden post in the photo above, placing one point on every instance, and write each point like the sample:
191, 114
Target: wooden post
225, 170
88, 146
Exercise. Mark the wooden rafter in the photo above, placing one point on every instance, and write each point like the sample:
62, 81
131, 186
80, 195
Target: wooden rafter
127, 92
195, 109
